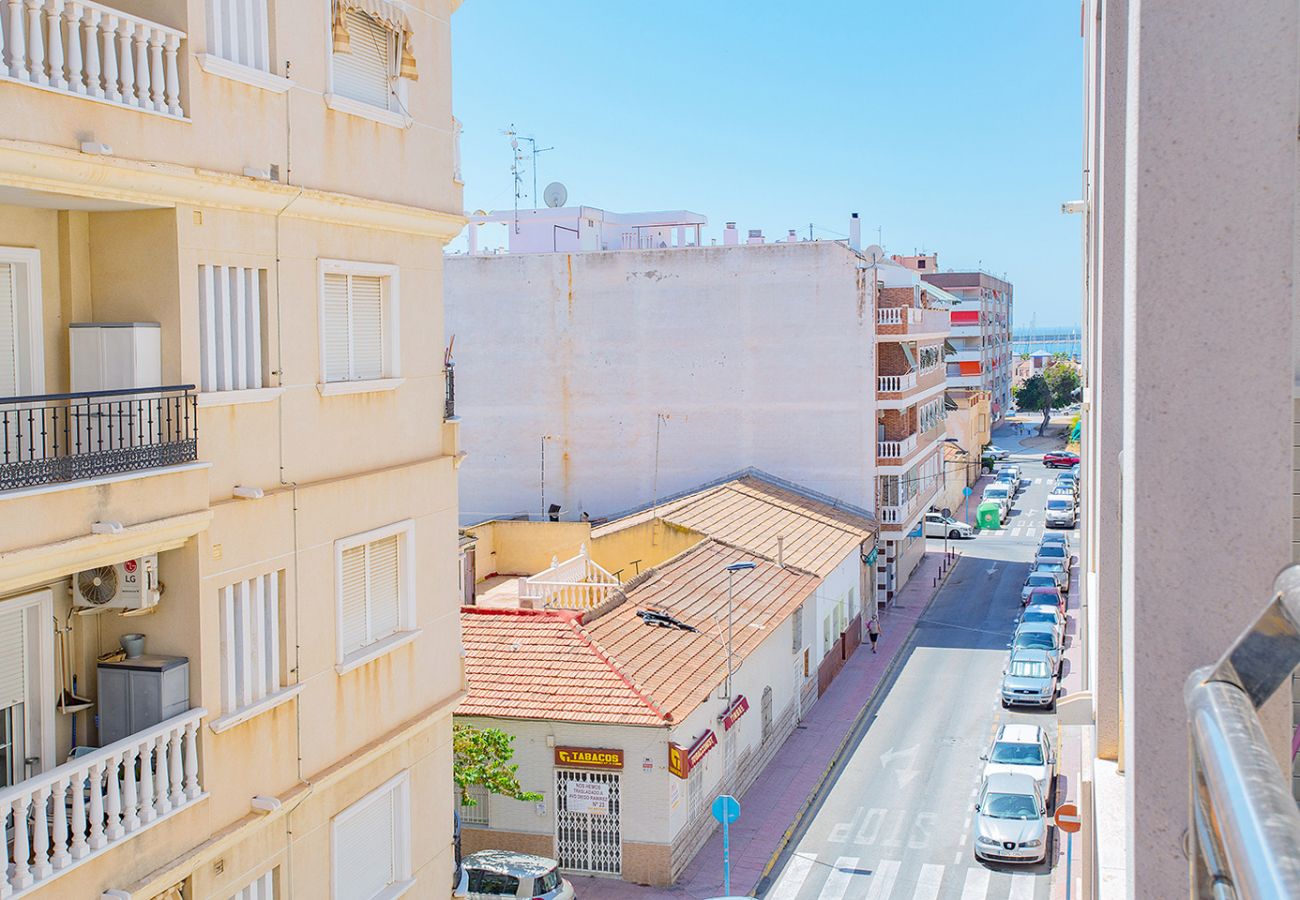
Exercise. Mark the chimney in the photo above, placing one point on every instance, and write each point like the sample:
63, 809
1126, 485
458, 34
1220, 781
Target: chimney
730, 236
855, 232
792, 238
780, 547
755, 236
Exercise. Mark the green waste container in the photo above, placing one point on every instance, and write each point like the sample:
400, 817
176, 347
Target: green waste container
989, 514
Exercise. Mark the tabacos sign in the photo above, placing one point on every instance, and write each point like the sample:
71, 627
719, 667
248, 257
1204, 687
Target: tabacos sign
588, 758
682, 759
734, 712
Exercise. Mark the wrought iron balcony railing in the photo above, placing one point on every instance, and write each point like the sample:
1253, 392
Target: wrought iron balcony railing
58, 438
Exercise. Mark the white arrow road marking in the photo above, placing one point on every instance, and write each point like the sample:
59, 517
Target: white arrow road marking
887, 758
927, 886
837, 885
796, 872
977, 884
882, 880
992, 569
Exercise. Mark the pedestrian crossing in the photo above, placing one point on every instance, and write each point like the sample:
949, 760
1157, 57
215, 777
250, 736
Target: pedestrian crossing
852, 878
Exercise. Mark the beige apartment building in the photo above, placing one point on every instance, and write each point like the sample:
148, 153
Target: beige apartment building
1190, 236
225, 427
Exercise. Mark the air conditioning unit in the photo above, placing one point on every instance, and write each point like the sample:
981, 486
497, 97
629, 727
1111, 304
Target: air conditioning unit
129, 585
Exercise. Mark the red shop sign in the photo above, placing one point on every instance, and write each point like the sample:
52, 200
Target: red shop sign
734, 712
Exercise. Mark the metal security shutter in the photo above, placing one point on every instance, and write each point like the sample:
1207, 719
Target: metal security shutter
367, 326
335, 338
363, 73
364, 846
385, 599
8, 332
13, 658
353, 611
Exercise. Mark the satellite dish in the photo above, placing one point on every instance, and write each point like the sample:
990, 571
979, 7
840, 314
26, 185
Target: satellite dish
555, 194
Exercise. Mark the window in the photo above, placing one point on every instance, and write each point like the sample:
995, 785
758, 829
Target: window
232, 301
372, 61
374, 574
260, 888
26, 652
493, 884
695, 788
358, 321
371, 847
796, 629
237, 31
22, 358
251, 625
478, 813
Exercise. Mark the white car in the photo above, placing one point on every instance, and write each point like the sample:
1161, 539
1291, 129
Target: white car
939, 525
1026, 750
1060, 511
1000, 493
1011, 819
996, 452
492, 874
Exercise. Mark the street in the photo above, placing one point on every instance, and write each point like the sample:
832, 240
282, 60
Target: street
895, 819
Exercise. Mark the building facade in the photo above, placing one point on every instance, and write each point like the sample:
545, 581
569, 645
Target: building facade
217, 442
980, 358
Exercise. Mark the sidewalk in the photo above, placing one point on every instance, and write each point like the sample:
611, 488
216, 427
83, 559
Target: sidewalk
1069, 741
785, 788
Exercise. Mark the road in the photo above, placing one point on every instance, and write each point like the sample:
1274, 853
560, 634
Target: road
895, 819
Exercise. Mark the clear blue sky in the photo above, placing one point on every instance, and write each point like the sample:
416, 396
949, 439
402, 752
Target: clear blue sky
954, 125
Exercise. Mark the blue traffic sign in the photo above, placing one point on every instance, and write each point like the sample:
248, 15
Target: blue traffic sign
966, 492
726, 808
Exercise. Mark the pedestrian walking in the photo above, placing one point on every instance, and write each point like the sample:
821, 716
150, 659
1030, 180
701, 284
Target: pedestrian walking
873, 632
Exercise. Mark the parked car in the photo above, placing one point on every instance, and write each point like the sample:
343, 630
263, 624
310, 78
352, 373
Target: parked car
1066, 480
1054, 553
1023, 750
1054, 537
1010, 479
1000, 493
1057, 571
1011, 819
1013, 468
1038, 637
996, 452
1048, 594
491, 874
1035, 581
1060, 460
939, 525
1061, 512
1047, 612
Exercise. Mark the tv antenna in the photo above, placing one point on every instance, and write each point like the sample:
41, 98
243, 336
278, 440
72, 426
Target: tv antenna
516, 157
535, 150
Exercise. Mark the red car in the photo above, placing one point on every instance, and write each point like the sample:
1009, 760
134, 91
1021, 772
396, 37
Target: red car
1060, 460
1046, 595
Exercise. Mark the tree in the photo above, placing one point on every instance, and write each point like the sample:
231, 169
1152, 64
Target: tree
482, 756
1055, 386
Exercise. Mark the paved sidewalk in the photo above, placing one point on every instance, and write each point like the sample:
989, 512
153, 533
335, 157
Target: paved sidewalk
787, 784
1069, 743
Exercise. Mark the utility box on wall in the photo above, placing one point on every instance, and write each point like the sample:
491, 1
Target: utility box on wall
113, 356
137, 694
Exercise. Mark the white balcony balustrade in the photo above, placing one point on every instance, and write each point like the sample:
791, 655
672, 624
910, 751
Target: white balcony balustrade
80, 809
895, 384
896, 449
898, 315
91, 50
576, 583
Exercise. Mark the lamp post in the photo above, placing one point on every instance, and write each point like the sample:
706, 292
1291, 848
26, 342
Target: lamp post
731, 573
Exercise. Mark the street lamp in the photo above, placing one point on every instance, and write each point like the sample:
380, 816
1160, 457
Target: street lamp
731, 573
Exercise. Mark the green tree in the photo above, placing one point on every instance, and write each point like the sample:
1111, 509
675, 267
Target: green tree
1055, 386
482, 756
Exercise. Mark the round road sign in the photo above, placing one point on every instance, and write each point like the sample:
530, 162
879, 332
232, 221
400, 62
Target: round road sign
966, 492
1067, 818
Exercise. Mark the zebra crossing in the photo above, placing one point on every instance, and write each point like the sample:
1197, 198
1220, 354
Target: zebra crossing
807, 877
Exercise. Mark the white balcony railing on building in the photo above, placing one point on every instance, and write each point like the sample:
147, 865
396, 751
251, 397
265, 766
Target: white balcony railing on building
898, 315
576, 583
896, 449
894, 384
85, 48
94, 802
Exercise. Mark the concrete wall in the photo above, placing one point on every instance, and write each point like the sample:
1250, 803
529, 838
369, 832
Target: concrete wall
525, 548
741, 348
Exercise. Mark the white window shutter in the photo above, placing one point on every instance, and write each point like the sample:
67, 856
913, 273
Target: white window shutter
385, 595
231, 299
13, 658
355, 630
8, 332
364, 73
335, 327
367, 326
260, 888
365, 846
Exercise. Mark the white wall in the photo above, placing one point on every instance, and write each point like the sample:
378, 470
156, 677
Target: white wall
846, 577
759, 355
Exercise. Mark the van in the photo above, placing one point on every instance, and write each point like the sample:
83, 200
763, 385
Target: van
1060, 511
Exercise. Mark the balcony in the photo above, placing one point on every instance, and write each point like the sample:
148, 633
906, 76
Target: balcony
896, 384
58, 438
910, 323
576, 583
93, 51
896, 449
96, 801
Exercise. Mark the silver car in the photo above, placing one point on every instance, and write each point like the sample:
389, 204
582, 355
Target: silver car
1037, 580
1053, 553
493, 874
1025, 750
1029, 679
1057, 571
1045, 612
1010, 820
1038, 636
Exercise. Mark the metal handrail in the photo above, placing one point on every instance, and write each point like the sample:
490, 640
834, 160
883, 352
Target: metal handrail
1245, 834
83, 395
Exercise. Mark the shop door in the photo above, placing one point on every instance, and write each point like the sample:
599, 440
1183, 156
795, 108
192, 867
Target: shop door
587, 836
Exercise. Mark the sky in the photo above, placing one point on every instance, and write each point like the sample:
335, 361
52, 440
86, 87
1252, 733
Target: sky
952, 126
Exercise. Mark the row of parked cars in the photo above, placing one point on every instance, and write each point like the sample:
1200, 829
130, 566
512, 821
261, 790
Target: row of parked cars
1020, 767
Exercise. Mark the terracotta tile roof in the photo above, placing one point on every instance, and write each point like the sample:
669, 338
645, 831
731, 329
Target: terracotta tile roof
752, 511
615, 669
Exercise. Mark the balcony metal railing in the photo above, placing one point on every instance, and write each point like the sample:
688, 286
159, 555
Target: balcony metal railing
449, 406
1245, 834
92, 50
57, 438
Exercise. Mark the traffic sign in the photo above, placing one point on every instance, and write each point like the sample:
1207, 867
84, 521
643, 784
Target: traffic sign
966, 491
1067, 818
726, 808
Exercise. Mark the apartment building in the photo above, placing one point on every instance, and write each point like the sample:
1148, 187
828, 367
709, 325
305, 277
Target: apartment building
1168, 579
228, 624
634, 349
980, 358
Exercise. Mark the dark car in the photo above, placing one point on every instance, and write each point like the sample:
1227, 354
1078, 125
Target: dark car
1060, 460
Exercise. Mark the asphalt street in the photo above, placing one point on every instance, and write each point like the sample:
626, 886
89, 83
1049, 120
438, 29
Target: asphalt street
895, 820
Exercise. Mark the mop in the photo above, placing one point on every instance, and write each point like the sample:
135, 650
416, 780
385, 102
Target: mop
69, 701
